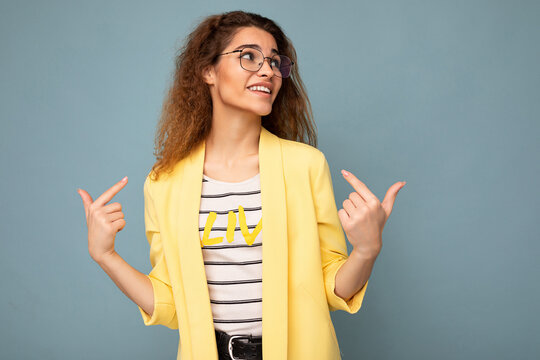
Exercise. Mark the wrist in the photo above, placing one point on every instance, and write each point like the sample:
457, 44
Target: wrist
365, 254
105, 257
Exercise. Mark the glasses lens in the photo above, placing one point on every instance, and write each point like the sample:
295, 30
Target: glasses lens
285, 65
252, 60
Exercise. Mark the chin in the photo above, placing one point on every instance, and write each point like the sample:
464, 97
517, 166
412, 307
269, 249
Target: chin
267, 110
262, 111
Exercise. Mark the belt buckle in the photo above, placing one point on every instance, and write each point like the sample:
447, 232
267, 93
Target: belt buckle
230, 344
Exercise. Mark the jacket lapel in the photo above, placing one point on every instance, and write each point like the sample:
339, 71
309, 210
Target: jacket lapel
185, 222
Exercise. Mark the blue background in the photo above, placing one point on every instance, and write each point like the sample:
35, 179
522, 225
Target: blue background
442, 94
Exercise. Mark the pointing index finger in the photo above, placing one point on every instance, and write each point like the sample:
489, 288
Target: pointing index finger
111, 192
358, 185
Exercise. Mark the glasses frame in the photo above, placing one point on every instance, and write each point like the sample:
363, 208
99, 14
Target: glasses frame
264, 58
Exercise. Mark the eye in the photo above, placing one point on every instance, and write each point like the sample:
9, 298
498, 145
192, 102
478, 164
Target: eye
275, 62
248, 55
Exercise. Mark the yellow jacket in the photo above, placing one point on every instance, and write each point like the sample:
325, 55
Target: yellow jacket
303, 248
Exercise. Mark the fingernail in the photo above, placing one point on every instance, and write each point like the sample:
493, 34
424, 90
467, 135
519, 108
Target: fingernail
124, 179
345, 173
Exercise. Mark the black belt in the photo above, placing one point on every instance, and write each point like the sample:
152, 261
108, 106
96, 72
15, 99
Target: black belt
238, 346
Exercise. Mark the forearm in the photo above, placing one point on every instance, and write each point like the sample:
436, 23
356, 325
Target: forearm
353, 274
134, 284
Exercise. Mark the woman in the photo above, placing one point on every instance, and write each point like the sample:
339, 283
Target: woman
233, 170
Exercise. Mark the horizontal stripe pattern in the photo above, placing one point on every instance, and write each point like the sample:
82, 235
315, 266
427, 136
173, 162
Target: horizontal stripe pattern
233, 269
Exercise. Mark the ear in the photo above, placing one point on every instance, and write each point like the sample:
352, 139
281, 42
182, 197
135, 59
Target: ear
209, 74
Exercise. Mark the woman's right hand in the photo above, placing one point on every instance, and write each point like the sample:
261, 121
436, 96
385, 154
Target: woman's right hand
103, 221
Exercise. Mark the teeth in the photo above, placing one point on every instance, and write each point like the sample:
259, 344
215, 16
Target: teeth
260, 88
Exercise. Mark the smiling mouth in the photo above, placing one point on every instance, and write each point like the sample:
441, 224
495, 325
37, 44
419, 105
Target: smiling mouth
260, 93
261, 89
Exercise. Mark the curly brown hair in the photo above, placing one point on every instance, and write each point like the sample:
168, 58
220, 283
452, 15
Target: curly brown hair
186, 116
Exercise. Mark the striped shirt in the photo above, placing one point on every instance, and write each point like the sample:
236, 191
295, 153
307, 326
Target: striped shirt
230, 230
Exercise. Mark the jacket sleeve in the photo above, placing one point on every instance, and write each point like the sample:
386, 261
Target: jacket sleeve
164, 309
332, 238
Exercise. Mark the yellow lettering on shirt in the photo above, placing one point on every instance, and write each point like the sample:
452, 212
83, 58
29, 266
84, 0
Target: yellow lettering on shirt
231, 226
207, 228
248, 237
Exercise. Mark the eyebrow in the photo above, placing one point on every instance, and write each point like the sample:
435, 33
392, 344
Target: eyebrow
254, 46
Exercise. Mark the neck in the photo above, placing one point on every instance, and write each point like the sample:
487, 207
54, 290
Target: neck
232, 139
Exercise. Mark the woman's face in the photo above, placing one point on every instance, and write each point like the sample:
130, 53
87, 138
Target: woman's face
229, 83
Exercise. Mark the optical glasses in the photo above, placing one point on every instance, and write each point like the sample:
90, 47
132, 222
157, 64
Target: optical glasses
252, 60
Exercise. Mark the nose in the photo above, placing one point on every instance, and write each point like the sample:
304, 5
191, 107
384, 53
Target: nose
266, 68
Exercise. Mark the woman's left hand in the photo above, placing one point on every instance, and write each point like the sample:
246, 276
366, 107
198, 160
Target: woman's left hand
363, 216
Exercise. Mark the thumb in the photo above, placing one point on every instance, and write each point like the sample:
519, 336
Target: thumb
87, 200
343, 217
390, 198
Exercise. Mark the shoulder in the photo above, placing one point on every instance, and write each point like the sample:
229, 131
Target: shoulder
150, 181
302, 152
303, 157
165, 178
